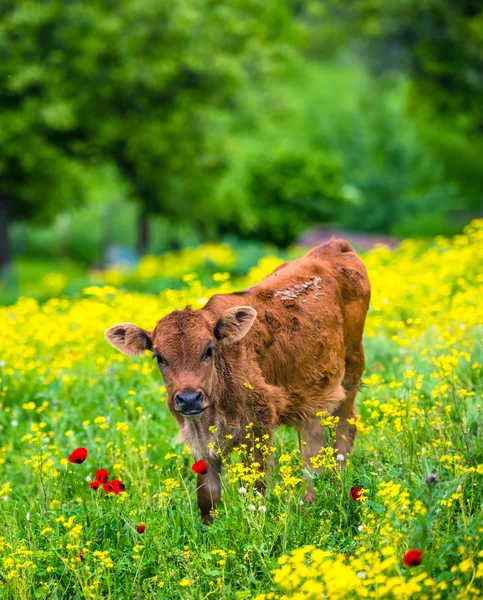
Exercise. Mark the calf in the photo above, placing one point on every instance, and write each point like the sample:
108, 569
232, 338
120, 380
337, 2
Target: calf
295, 338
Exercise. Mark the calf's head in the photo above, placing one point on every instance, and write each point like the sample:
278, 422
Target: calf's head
187, 346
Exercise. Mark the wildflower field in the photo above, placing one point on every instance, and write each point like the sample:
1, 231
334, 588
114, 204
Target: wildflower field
404, 519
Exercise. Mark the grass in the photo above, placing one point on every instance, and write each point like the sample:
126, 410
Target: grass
418, 459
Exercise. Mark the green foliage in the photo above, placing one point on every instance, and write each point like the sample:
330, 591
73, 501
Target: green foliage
107, 79
439, 43
141, 84
399, 184
348, 137
207, 116
285, 193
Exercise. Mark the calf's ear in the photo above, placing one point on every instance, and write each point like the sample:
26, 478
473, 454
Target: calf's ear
129, 339
234, 324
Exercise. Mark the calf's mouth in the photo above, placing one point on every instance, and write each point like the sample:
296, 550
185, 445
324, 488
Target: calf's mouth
193, 413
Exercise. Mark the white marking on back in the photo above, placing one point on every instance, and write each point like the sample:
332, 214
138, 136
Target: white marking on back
309, 285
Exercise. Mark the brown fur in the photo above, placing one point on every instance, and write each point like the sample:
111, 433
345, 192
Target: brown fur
301, 353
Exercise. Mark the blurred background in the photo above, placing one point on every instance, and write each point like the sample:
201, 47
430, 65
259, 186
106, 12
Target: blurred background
142, 139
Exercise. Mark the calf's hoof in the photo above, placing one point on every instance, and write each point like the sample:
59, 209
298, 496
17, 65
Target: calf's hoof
207, 519
261, 487
309, 495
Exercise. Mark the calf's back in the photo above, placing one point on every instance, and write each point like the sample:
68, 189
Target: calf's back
309, 326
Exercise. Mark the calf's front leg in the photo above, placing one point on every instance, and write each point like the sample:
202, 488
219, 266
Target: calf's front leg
209, 491
261, 456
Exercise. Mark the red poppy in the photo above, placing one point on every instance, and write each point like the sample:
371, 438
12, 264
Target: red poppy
200, 467
95, 485
413, 558
78, 456
81, 556
102, 476
108, 488
355, 493
141, 528
117, 486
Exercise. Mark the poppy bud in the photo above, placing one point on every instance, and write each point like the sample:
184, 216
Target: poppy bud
78, 456
141, 528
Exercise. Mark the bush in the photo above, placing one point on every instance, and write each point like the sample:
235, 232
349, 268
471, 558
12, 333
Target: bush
286, 192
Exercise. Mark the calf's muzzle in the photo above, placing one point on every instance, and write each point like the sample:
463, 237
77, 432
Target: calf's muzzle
190, 402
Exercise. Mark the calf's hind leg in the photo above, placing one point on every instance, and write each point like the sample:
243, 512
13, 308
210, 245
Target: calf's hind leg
346, 432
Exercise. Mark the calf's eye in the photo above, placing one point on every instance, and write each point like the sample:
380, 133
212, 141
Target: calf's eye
160, 360
208, 353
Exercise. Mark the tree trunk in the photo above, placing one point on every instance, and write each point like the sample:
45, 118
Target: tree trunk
143, 232
5, 256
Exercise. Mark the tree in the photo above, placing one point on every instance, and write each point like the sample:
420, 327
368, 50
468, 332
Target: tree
140, 83
438, 43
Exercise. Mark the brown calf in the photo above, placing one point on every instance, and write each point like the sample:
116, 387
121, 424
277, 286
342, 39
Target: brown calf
296, 338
